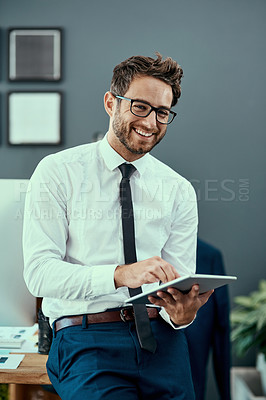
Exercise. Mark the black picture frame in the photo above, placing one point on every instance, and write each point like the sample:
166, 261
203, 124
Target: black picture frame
35, 54
34, 118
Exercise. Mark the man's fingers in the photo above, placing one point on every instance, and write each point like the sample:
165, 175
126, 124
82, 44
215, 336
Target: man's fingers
194, 292
156, 301
158, 273
152, 270
176, 294
163, 271
182, 308
169, 272
204, 297
167, 298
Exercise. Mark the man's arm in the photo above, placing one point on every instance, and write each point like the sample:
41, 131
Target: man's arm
180, 251
45, 237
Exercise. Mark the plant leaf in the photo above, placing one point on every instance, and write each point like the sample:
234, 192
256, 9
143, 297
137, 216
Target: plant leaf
244, 345
261, 318
243, 301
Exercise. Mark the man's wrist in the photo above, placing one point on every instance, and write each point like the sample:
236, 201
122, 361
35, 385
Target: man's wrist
183, 323
117, 277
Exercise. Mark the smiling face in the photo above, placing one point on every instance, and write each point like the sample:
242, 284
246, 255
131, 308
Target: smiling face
133, 136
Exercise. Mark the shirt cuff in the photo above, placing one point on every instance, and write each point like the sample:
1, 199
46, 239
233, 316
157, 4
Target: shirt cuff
102, 280
166, 317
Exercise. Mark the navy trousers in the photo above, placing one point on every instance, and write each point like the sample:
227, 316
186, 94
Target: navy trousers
105, 362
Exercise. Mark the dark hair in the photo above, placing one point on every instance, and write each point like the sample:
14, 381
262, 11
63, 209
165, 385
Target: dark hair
166, 70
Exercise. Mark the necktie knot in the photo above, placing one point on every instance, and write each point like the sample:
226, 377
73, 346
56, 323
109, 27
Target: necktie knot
127, 170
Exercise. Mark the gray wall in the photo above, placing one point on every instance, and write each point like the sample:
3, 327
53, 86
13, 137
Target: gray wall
218, 140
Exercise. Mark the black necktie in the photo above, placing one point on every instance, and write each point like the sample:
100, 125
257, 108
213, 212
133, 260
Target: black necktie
142, 321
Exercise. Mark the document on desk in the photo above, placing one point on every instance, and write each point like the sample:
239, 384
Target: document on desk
10, 361
19, 339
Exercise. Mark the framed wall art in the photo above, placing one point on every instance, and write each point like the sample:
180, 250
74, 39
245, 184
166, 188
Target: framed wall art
34, 118
34, 54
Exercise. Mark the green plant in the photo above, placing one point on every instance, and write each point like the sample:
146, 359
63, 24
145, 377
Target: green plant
248, 321
3, 392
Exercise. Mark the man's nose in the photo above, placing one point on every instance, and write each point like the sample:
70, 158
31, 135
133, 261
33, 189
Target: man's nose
150, 120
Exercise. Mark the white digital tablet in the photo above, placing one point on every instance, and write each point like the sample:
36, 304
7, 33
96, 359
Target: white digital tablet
184, 284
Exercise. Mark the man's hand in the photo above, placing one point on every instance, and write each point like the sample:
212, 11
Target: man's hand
152, 270
182, 308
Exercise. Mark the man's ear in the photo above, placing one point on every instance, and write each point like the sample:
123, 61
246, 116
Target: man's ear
109, 103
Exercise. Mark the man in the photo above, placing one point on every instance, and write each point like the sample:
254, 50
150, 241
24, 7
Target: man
75, 251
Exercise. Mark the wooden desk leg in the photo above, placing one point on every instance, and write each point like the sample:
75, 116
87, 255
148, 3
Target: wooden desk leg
12, 389
30, 392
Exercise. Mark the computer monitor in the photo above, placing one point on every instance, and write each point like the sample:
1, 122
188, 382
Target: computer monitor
17, 305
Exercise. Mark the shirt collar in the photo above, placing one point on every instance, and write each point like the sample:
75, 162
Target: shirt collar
112, 159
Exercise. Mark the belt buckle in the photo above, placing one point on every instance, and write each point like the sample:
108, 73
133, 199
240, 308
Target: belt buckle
122, 313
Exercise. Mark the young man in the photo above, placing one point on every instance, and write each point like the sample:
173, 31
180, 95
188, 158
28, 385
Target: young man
75, 251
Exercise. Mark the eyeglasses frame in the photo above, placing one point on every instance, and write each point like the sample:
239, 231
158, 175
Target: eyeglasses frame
155, 109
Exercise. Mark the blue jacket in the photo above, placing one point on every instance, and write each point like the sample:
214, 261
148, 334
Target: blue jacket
211, 329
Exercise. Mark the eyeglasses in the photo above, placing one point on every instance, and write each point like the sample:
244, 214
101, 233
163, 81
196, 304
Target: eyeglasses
143, 109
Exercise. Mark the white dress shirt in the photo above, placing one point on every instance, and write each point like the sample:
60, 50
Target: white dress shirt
72, 237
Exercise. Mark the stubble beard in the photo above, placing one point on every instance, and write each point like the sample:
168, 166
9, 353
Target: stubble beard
123, 133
